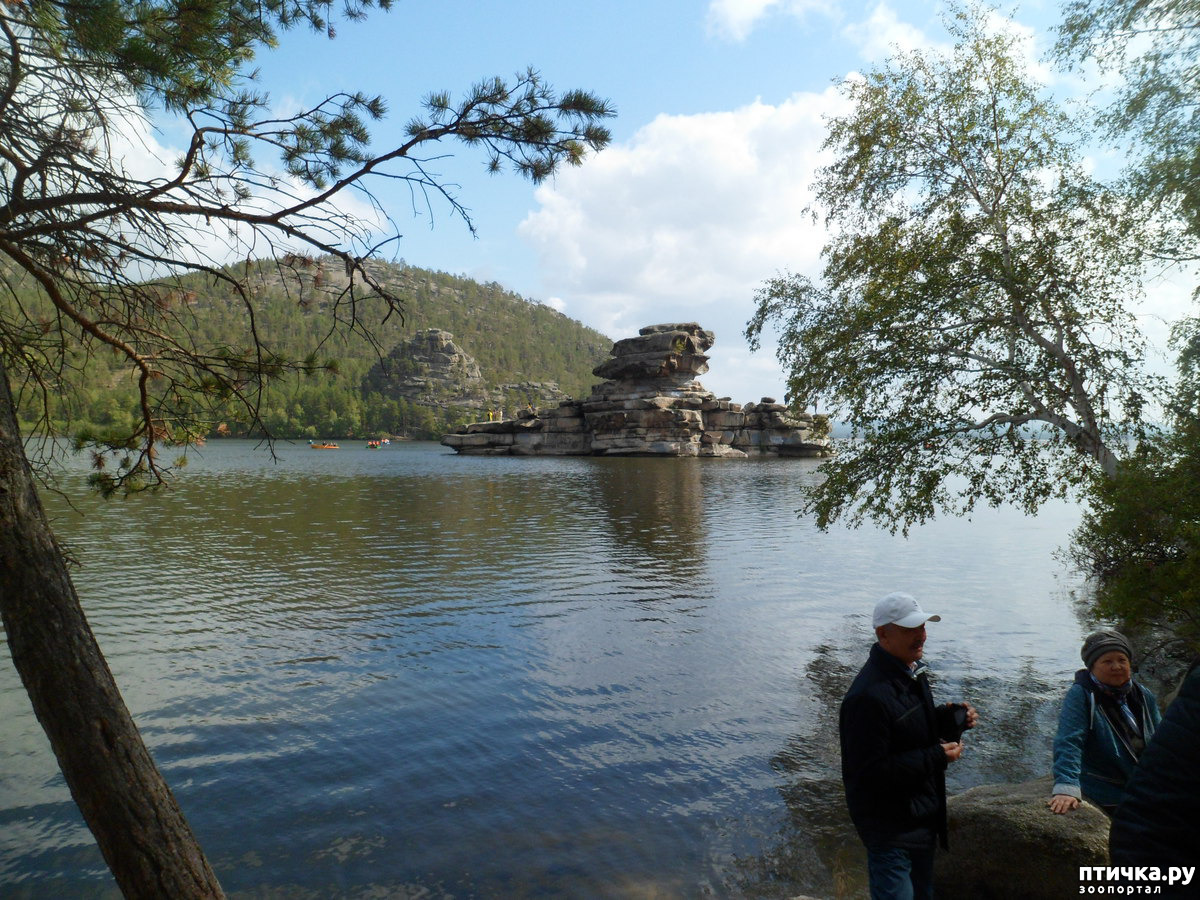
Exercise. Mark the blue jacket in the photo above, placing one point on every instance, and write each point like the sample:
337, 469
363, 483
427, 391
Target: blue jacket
1090, 758
1158, 824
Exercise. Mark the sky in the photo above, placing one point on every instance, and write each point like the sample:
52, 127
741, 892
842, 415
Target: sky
701, 196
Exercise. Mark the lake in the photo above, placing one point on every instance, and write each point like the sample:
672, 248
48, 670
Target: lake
405, 673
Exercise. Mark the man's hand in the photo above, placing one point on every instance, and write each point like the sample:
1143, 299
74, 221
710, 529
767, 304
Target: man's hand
1063, 803
953, 750
972, 715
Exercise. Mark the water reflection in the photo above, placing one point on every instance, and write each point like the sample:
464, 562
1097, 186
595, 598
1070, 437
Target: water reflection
817, 850
408, 673
1013, 741
654, 509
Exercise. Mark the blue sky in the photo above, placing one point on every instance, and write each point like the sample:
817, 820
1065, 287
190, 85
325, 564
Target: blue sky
699, 199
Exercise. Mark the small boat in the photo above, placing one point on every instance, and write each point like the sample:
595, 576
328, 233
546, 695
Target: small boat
373, 445
323, 445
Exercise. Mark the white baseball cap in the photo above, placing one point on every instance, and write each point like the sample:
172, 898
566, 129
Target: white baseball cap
901, 609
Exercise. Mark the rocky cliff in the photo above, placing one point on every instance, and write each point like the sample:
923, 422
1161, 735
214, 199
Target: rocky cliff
431, 370
650, 404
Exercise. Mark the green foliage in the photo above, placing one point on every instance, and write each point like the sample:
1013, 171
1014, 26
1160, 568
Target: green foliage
1141, 535
512, 123
179, 53
1155, 46
1141, 538
1185, 337
972, 323
513, 340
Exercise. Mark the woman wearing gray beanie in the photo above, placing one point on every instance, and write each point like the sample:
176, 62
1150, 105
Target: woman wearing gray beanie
1105, 722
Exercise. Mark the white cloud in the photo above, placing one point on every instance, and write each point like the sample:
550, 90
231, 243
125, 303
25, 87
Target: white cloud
1168, 299
135, 148
882, 33
683, 223
735, 19
688, 218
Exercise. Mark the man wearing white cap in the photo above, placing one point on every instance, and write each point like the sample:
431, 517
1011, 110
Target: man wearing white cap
896, 746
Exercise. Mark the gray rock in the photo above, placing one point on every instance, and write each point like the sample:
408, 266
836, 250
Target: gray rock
431, 370
707, 337
653, 364
651, 405
1006, 843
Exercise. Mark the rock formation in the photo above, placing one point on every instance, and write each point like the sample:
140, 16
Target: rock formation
650, 404
431, 370
440, 359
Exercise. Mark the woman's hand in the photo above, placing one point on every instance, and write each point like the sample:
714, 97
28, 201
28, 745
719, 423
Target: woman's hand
1063, 803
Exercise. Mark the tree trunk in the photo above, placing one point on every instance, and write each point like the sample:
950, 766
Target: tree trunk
131, 811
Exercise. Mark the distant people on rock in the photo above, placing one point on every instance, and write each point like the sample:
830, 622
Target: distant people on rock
896, 745
1106, 721
1158, 822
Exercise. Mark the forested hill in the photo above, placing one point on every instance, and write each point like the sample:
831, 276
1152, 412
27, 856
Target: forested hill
513, 340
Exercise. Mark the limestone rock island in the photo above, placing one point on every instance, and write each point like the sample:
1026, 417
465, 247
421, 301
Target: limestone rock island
650, 404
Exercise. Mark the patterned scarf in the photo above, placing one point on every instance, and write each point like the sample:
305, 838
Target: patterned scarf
1120, 696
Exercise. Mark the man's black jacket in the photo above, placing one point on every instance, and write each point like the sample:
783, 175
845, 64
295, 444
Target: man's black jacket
893, 765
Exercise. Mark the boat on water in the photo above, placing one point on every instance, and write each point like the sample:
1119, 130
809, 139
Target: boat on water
323, 445
373, 445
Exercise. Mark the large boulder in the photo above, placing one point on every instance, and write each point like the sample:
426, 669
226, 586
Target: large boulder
674, 352
1006, 843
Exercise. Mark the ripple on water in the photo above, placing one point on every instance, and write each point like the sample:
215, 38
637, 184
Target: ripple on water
487, 677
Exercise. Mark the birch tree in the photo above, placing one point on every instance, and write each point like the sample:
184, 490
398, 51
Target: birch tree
1154, 48
973, 320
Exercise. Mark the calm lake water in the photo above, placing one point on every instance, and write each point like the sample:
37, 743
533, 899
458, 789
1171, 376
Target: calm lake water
404, 673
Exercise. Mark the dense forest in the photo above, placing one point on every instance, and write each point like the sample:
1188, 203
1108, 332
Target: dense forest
513, 339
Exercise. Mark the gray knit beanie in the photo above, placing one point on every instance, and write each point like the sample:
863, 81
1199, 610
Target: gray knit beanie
1101, 642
